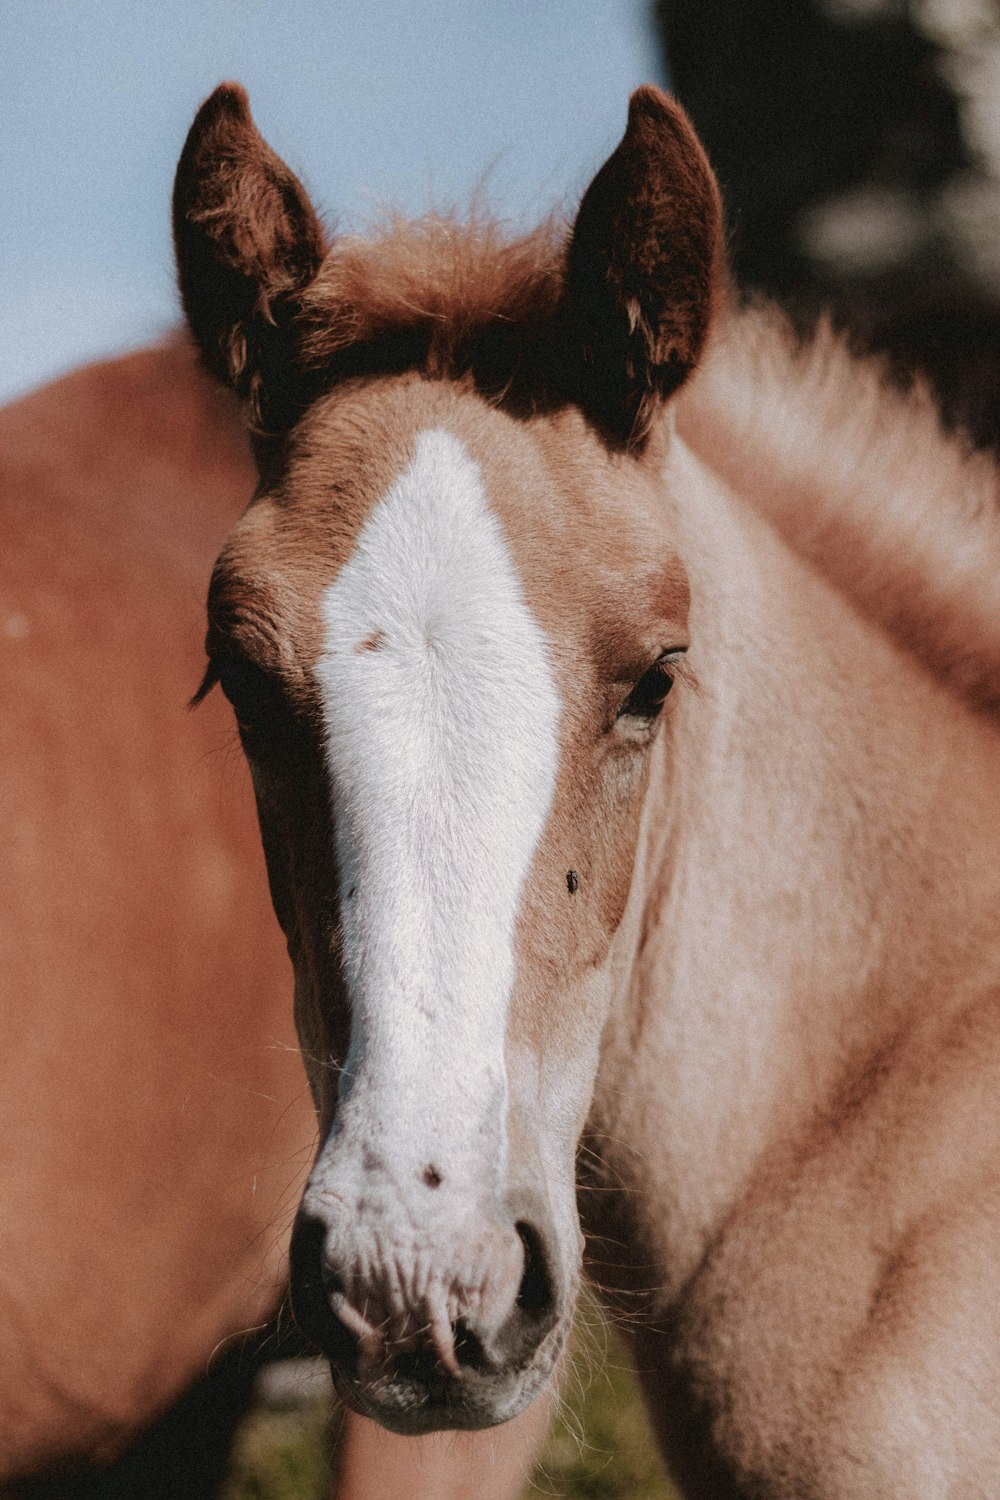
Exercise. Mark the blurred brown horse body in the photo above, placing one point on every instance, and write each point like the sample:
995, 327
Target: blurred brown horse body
153, 1119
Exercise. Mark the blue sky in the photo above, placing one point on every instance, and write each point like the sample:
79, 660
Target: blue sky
403, 102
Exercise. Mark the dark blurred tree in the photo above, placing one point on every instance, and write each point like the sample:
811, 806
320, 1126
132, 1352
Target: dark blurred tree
840, 133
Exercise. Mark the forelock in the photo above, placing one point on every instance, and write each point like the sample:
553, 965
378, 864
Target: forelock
440, 297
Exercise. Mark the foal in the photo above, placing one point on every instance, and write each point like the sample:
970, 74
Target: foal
617, 782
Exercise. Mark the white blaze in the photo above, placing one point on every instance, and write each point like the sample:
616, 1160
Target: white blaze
442, 731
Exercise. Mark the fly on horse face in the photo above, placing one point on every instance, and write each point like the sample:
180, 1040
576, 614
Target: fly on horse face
617, 680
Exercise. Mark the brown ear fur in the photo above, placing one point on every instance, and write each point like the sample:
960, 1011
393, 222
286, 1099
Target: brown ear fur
644, 267
248, 243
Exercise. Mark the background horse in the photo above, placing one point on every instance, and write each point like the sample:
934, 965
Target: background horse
152, 1115
747, 945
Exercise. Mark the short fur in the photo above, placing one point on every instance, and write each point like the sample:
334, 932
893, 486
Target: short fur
810, 431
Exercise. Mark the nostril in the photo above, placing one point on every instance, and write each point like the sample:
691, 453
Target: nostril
536, 1308
306, 1254
313, 1284
536, 1294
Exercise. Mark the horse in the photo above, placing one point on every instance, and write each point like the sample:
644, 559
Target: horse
153, 1126
618, 682
155, 1118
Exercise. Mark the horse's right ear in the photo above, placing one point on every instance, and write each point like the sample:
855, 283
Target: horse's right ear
644, 268
248, 243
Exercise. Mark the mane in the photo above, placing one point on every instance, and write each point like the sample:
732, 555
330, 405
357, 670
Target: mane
862, 481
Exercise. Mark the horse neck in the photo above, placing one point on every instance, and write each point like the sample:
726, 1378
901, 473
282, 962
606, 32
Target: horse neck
816, 879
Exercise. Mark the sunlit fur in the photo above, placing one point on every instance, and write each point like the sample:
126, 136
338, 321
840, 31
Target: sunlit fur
858, 478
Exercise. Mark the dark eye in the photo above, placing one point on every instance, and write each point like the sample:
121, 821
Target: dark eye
648, 696
254, 695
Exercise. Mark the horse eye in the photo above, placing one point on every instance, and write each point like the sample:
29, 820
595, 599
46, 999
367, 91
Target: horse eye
650, 693
252, 693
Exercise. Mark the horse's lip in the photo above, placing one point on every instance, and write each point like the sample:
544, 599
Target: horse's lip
472, 1402
413, 1408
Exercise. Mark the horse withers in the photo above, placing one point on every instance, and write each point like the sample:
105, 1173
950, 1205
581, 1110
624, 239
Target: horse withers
616, 680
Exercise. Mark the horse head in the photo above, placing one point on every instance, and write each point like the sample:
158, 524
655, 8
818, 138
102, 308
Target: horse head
448, 625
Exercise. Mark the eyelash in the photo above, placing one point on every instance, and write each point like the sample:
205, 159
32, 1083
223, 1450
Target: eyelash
646, 700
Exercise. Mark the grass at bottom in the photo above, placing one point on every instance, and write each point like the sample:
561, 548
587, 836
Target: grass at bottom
284, 1455
599, 1447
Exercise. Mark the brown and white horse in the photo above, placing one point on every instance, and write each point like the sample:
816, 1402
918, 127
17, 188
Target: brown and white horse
626, 767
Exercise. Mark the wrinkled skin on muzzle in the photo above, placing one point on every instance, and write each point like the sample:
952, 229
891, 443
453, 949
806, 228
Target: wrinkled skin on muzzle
439, 1295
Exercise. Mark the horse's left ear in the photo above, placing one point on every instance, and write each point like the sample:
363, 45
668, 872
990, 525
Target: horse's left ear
644, 268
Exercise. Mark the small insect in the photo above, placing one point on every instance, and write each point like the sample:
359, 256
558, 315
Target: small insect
572, 882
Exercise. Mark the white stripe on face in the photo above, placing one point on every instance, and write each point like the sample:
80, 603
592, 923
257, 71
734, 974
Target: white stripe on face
442, 739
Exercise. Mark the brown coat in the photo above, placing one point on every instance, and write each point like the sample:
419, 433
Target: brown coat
154, 1123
